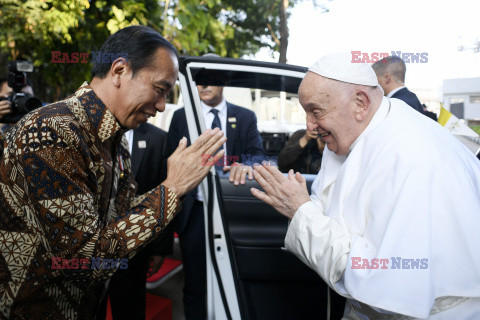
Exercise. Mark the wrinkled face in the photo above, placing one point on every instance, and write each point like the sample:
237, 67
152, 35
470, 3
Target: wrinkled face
210, 95
140, 97
330, 113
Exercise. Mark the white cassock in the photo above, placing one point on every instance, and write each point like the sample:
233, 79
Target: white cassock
408, 189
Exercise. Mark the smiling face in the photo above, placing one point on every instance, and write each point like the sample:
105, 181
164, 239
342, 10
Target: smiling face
333, 110
141, 96
210, 95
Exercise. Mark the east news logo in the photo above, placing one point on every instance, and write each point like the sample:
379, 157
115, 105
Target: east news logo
396, 263
94, 263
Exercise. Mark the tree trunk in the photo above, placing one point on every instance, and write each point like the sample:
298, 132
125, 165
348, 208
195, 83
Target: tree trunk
283, 31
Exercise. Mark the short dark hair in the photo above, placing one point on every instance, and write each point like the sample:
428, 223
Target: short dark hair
394, 64
137, 44
3, 78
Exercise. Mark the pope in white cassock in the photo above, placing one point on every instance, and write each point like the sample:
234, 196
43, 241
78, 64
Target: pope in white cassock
393, 222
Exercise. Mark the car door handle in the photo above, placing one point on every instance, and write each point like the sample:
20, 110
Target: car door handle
285, 249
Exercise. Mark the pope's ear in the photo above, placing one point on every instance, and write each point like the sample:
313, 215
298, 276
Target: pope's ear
362, 104
119, 68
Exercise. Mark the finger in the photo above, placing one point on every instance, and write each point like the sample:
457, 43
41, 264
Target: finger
262, 181
215, 144
261, 195
226, 168
243, 175
203, 139
209, 139
4, 106
236, 175
240, 175
231, 177
250, 173
181, 146
300, 178
215, 159
276, 174
291, 174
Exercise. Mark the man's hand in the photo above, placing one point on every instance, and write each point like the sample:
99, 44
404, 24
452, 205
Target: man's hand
5, 107
155, 262
238, 173
284, 194
186, 166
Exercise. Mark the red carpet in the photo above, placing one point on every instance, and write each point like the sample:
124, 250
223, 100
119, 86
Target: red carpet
158, 308
168, 266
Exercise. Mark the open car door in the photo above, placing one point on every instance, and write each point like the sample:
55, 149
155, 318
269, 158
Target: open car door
250, 275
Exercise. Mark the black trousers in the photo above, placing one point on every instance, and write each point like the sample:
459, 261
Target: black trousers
192, 244
127, 290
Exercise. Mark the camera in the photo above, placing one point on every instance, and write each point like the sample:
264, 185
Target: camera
22, 103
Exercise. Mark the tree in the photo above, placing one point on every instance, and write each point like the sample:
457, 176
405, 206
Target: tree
32, 29
261, 23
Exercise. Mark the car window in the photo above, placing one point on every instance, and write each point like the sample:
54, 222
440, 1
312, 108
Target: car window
279, 114
274, 100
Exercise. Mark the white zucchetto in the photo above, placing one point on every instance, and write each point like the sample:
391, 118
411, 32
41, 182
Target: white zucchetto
339, 66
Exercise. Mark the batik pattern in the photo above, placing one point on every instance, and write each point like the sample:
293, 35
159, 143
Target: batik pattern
67, 191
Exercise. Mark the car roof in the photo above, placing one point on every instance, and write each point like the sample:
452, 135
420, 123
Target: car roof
187, 59
243, 73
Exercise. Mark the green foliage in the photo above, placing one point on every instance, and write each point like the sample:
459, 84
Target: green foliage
476, 128
32, 29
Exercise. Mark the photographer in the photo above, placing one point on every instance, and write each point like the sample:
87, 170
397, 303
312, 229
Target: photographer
6, 105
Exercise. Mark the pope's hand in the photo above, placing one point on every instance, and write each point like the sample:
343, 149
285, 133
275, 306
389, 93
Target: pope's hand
285, 194
186, 166
238, 173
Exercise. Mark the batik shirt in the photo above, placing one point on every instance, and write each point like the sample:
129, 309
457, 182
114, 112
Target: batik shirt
3, 130
67, 206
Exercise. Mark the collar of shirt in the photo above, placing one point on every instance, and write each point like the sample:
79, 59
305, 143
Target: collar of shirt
102, 121
378, 117
222, 114
129, 136
391, 93
208, 117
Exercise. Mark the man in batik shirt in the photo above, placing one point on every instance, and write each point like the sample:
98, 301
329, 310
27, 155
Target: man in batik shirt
67, 201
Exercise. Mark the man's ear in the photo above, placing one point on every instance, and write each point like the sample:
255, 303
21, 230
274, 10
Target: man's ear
120, 68
362, 105
388, 78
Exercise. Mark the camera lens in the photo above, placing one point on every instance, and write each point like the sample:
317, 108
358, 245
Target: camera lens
26, 103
